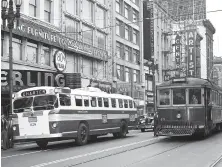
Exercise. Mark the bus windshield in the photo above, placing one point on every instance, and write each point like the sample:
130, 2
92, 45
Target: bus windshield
45, 102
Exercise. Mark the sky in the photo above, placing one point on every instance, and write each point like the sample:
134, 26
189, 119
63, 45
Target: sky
216, 20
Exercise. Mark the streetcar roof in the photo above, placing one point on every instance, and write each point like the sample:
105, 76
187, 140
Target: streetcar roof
190, 82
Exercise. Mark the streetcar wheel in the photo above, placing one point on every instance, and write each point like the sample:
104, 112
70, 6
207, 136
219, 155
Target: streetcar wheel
143, 130
123, 129
42, 144
82, 135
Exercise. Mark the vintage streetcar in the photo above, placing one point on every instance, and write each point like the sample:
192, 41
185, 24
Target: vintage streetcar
44, 114
188, 106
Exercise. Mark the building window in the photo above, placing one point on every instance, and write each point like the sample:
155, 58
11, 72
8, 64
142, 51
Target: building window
127, 53
120, 72
127, 74
100, 17
118, 6
135, 16
118, 50
135, 33
136, 76
72, 7
101, 40
16, 48
32, 52
126, 13
126, 32
87, 34
47, 11
105, 69
32, 8
87, 10
136, 57
72, 27
45, 58
118, 27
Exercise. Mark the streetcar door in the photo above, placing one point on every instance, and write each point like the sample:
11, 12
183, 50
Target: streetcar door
208, 104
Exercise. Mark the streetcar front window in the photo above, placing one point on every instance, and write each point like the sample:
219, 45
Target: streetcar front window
164, 96
21, 104
195, 96
179, 96
45, 102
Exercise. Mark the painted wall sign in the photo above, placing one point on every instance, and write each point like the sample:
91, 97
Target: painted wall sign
178, 54
60, 60
46, 35
26, 78
191, 54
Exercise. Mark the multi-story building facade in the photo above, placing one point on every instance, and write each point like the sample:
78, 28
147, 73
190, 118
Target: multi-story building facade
157, 47
217, 71
128, 48
58, 43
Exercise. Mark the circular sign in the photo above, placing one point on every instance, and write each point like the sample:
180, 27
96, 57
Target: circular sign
60, 61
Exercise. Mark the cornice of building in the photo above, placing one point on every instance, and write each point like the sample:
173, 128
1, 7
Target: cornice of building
207, 23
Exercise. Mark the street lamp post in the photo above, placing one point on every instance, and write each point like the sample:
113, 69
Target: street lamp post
10, 16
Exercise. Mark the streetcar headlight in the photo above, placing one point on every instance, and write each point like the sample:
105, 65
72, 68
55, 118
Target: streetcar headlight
14, 128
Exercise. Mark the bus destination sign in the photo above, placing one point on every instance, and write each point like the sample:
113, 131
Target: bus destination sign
33, 92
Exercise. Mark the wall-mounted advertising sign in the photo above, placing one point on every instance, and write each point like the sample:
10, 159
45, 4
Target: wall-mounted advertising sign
27, 78
60, 61
178, 54
191, 53
46, 35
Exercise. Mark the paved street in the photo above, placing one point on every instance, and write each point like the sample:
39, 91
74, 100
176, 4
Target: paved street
138, 149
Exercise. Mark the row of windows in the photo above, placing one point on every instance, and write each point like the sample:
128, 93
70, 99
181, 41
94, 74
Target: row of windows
127, 11
127, 53
47, 9
124, 74
90, 12
72, 28
86, 101
34, 52
127, 32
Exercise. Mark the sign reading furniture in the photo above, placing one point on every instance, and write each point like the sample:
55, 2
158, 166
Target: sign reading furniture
46, 35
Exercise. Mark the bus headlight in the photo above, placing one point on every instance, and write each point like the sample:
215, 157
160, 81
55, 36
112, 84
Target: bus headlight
54, 125
14, 128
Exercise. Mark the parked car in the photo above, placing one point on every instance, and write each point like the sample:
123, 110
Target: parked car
146, 122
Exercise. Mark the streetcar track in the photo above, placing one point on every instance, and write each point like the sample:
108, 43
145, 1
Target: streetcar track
102, 151
216, 162
117, 153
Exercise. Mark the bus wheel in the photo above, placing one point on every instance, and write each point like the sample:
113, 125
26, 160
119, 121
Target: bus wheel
123, 129
82, 135
142, 130
42, 144
115, 135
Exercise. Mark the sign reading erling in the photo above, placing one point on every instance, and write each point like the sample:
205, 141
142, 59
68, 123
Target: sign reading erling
46, 35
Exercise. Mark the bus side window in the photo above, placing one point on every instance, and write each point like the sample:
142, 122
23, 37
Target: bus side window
130, 104
134, 104
100, 102
86, 101
113, 101
120, 103
65, 100
93, 101
106, 102
125, 103
78, 100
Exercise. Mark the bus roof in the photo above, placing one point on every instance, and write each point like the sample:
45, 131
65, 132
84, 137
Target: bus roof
190, 82
81, 91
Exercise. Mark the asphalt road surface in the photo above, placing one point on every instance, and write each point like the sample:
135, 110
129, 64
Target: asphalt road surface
137, 150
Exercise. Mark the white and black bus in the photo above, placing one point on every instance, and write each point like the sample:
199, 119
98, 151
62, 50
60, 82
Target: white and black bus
45, 114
